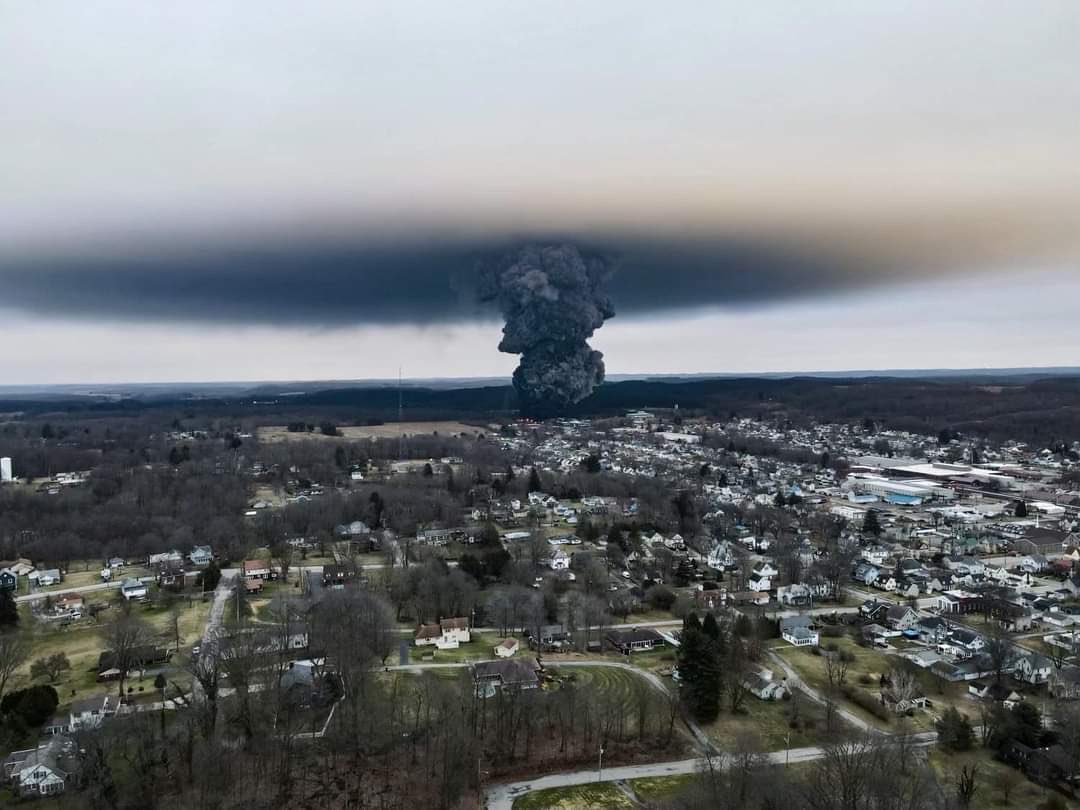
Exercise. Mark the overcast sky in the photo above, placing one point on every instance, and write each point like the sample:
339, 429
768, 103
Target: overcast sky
209, 191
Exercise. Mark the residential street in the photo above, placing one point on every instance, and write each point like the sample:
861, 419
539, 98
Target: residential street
99, 586
501, 797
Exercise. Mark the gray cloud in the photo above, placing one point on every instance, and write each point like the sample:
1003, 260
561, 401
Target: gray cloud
348, 283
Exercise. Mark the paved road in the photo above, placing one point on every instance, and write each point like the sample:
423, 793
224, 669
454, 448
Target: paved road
501, 797
99, 586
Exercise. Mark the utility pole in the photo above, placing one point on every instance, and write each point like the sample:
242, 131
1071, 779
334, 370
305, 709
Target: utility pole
600, 765
400, 412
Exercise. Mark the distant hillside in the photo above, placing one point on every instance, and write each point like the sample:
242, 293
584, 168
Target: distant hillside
1040, 410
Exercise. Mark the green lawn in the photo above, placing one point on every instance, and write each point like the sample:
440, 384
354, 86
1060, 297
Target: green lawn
481, 648
580, 797
660, 788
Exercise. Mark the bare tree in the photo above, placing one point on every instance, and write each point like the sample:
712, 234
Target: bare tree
124, 637
14, 650
282, 555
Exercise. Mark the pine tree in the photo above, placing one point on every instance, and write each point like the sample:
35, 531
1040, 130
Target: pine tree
9, 611
534, 481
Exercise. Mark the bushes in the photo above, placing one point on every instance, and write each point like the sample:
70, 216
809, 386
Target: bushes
29, 707
864, 700
832, 631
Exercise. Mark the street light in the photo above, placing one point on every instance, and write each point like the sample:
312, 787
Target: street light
787, 749
600, 766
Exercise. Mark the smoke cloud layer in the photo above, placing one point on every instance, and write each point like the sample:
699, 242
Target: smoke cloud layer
553, 300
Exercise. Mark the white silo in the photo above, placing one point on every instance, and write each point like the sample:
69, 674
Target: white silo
5, 470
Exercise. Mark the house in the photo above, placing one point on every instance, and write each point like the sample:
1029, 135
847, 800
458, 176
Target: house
760, 580
721, 557
1033, 564
516, 673
866, 574
70, 604
995, 692
506, 648
46, 578
874, 610
1064, 683
154, 560
634, 639
139, 659
750, 598
257, 569
901, 617
90, 712
337, 575
132, 588
116, 562
932, 630
201, 555
559, 560
762, 686
170, 574
44, 770
1033, 668
9, 580
797, 631
449, 634
798, 595
548, 637
968, 640
253, 586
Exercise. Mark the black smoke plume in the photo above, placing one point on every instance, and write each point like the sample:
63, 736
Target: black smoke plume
553, 300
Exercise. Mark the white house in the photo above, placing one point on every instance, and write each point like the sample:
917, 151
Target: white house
796, 630
42, 771
449, 634
762, 686
559, 560
721, 556
132, 588
506, 648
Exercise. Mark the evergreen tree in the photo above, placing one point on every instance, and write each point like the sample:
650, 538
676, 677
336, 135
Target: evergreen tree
534, 481
871, 524
1020, 510
9, 611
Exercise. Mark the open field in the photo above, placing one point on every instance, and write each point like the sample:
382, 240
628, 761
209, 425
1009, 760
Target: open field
578, 797
390, 430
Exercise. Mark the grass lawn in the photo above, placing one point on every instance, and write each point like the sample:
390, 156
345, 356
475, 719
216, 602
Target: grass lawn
770, 722
660, 788
481, 648
864, 673
988, 795
83, 643
579, 797
652, 615
618, 686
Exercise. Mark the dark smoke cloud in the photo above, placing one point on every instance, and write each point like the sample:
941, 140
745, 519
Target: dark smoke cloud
430, 282
552, 298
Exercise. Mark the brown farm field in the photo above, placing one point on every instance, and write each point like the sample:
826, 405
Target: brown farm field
390, 430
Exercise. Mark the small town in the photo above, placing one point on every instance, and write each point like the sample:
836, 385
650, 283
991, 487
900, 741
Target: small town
701, 586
